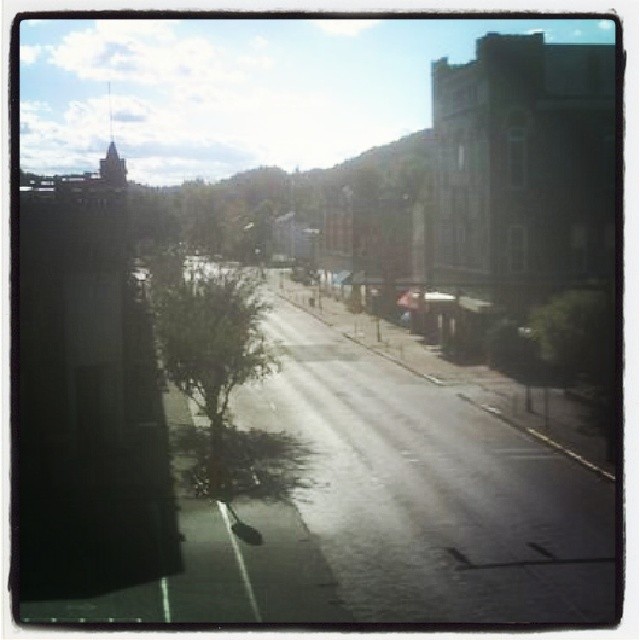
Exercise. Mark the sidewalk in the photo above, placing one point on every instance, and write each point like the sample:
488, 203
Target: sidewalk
227, 580
558, 420
138, 547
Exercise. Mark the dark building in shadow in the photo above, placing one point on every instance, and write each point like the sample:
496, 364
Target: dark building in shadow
92, 499
525, 188
73, 261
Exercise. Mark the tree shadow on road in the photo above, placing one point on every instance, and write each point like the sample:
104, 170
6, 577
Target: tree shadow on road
261, 464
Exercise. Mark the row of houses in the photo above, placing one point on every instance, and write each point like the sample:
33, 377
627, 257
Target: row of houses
520, 201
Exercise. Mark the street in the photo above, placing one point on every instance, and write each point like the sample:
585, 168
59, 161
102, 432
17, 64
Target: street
390, 499
427, 509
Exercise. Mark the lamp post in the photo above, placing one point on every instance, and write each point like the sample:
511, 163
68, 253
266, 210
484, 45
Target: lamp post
376, 295
314, 234
525, 333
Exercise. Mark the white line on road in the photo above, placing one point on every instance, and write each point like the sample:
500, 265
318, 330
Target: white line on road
240, 560
572, 454
166, 609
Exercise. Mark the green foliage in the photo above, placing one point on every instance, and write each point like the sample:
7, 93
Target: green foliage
506, 348
166, 264
385, 181
212, 339
153, 215
575, 330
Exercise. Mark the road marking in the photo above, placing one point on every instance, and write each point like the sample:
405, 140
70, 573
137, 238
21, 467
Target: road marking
534, 456
36, 620
166, 609
527, 454
409, 455
489, 409
540, 436
240, 560
571, 454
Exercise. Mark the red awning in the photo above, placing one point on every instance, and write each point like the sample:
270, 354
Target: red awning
408, 300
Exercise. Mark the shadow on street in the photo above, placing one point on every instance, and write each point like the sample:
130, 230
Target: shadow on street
260, 464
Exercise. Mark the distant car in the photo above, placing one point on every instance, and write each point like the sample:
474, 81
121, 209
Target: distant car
302, 274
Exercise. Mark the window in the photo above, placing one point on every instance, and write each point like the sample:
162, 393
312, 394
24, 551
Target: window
578, 248
461, 158
517, 248
516, 159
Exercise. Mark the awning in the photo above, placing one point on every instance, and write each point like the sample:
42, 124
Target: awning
438, 296
360, 277
409, 300
340, 277
475, 305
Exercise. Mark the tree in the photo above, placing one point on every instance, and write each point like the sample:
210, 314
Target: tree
576, 330
212, 342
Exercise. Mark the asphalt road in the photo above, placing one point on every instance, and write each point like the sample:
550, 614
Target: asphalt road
426, 509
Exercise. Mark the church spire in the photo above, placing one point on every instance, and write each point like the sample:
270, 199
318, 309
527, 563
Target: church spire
113, 169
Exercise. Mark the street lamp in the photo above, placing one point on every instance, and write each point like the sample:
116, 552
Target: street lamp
314, 234
375, 293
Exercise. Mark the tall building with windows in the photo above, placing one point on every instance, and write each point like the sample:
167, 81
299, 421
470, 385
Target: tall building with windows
525, 187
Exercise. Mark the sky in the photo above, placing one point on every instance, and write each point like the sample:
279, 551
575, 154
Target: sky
204, 99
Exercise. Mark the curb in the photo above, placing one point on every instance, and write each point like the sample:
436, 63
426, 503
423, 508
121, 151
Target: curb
487, 409
541, 438
424, 376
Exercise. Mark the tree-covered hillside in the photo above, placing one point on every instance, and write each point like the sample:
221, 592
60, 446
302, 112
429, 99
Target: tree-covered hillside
234, 216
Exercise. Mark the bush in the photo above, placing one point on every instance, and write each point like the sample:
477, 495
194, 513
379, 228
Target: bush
506, 348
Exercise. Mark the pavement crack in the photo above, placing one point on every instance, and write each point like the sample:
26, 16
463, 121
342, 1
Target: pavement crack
542, 551
460, 557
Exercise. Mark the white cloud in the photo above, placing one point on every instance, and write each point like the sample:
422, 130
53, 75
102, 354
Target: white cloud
29, 53
259, 43
29, 108
606, 25
186, 106
344, 27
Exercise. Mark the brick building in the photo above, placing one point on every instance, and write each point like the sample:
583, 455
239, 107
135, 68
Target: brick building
525, 200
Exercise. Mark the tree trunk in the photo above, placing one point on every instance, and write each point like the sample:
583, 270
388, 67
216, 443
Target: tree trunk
219, 476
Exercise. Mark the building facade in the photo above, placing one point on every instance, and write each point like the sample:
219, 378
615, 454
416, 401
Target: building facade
526, 180
73, 259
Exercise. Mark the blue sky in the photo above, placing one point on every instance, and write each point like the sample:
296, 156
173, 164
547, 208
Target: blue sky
209, 98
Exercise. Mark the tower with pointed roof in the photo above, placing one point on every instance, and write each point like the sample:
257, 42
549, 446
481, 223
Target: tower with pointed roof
113, 169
